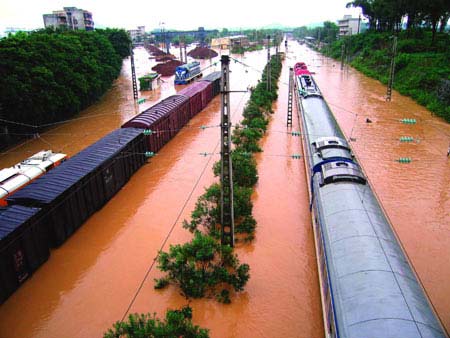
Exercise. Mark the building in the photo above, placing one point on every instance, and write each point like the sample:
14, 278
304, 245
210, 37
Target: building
70, 18
230, 42
349, 25
150, 81
137, 35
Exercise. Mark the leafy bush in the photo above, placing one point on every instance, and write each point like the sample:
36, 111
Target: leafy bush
199, 267
178, 323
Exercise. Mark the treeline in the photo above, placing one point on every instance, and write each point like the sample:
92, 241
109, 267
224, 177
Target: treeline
47, 76
327, 33
422, 69
388, 15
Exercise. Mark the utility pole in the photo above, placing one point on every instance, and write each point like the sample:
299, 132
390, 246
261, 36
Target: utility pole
133, 78
392, 70
276, 44
291, 83
342, 55
268, 74
226, 172
348, 45
359, 22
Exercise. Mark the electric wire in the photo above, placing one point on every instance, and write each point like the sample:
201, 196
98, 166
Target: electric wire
167, 237
175, 222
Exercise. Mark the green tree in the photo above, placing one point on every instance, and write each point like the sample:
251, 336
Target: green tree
50, 75
177, 323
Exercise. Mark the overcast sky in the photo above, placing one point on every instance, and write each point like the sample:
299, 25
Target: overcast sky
178, 14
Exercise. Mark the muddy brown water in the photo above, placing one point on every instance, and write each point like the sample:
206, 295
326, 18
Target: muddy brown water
415, 196
90, 281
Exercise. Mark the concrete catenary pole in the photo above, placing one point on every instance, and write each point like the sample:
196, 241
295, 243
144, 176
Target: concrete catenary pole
226, 172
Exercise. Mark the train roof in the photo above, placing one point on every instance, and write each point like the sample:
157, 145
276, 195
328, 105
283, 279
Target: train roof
12, 217
194, 88
375, 291
212, 76
189, 65
301, 68
50, 186
163, 108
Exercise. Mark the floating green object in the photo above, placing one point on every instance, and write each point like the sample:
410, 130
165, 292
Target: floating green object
149, 154
141, 100
406, 139
296, 156
148, 132
295, 133
404, 160
203, 127
408, 121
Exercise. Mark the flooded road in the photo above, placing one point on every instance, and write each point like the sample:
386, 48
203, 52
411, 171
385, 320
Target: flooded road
105, 268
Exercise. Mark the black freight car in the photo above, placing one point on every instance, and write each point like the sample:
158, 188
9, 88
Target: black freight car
24, 246
72, 192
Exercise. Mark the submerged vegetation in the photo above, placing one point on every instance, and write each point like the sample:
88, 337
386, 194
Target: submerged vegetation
204, 267
178, 323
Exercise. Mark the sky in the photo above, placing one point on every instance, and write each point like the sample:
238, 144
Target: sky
177, 14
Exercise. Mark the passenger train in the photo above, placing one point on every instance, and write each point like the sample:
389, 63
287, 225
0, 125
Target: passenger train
47, 211
368, 286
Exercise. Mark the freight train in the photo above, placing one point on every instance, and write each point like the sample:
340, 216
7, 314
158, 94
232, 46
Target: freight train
25, 172
46, 212
368, 286
187, 72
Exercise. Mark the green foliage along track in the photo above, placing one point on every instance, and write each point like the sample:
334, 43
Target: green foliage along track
203, 266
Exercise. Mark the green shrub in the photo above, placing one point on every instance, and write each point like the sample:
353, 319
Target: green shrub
200, 266
178, 323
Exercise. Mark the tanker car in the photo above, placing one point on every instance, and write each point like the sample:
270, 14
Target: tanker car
368, 286
16, 177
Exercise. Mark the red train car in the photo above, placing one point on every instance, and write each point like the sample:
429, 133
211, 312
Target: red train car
301, 68
164, 119
200, 94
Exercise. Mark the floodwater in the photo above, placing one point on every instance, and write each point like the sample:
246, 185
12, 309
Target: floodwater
106, 268
416, 196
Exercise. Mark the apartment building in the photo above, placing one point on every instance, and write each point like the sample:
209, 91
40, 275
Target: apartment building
349, 25
70, 18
